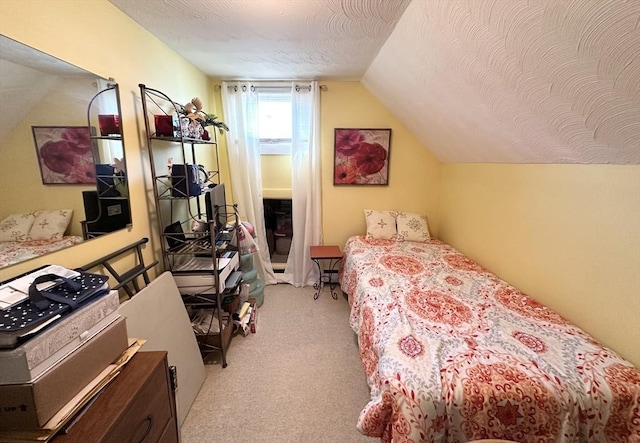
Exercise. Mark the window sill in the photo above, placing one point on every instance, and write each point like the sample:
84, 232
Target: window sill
276, 193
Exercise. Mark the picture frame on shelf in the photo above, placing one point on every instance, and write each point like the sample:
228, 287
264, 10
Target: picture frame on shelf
65, 154
361, 156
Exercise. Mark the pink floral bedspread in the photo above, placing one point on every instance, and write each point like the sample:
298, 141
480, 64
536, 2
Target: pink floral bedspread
452, 353
15, 252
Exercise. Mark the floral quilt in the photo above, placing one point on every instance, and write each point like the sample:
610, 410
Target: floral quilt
452, 353
16, 252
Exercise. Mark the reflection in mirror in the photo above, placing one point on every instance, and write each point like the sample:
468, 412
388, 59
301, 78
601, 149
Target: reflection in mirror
106, 207
42, 206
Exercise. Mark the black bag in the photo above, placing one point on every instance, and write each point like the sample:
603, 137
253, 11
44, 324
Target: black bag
43, 308
187, 180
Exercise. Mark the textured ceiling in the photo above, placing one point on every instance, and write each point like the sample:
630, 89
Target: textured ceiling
537, 81
271, 39
502, 81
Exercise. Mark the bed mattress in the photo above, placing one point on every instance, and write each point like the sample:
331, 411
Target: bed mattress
16, 252
452, 353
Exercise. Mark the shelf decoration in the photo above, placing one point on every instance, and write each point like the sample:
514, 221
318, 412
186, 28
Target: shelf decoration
164, 125
64, 154
120, 171
192, 116
361, 156
192, 129
109, 124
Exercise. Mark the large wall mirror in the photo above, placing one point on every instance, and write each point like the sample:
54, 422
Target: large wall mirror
62, 157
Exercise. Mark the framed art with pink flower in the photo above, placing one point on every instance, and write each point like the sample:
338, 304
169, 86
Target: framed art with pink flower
361, 156
65, 154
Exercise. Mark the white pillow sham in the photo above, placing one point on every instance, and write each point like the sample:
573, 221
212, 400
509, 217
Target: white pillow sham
50, 225
412, 227
380, 224
15, 227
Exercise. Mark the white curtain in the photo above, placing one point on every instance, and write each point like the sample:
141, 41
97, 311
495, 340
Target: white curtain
241, 115
305, 184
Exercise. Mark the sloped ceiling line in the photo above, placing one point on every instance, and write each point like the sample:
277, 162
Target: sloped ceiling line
555, 81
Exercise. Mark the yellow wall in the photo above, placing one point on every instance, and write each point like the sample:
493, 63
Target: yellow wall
414, 174
97, 37
567, 235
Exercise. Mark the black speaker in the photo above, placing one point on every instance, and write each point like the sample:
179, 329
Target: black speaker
105, 215
91, 207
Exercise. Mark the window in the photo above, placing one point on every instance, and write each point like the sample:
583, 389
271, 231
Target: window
275, 117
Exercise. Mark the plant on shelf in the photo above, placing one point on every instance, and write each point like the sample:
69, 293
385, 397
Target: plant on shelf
119, 172
193, 111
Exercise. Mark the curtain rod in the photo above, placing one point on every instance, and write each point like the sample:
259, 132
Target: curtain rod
323, 88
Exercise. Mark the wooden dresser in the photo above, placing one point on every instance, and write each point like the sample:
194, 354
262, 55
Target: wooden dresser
138, 406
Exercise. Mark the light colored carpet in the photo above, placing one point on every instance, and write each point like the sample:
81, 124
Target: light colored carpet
298, 379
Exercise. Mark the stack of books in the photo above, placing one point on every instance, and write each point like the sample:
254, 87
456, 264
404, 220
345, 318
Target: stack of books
242, 316
245, 316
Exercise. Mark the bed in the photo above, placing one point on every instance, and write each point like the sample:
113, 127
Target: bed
31, 234
12, 252
452, 354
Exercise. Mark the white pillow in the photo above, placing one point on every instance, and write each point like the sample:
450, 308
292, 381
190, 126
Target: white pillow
412, 227
50, 225
15, 227
380, 224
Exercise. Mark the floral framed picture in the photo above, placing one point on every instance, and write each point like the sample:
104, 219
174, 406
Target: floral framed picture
361, 156
65, 154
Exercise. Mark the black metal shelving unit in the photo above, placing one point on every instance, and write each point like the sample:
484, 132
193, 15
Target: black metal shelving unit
191, 254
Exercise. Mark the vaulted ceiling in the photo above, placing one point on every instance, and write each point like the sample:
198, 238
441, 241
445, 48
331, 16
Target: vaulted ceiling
26, 77
555, 81
499, 81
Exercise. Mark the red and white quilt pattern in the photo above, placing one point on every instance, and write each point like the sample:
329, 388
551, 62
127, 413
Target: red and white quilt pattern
452, 354
16, 252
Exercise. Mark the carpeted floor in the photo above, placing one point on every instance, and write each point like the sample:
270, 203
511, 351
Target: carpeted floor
298, 379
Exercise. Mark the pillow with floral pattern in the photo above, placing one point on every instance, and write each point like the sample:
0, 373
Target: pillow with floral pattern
15, 227
380, 224
50, 225
412, 227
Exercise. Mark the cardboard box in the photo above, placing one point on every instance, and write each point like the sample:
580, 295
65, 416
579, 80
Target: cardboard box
29, 360
31, 405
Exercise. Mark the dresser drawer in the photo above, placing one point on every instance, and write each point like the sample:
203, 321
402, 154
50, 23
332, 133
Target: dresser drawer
147, 414
138, 406
170, 434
